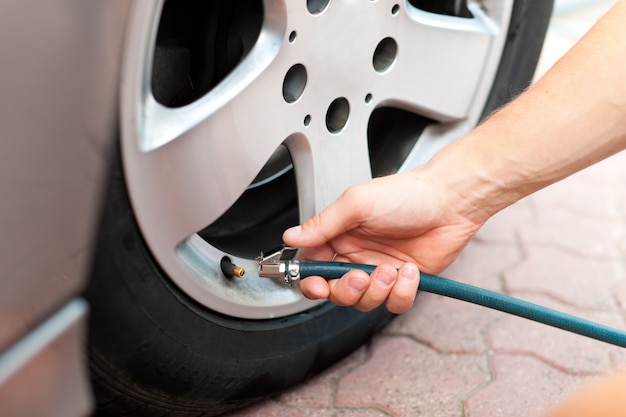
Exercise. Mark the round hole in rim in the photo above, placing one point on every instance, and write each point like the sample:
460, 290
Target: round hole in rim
337, 115
395, 9
385, 54
292, 36
294, 83
307, 120
316, 6
368, 98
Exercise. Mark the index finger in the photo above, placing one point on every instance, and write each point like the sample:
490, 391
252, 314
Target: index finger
339, 217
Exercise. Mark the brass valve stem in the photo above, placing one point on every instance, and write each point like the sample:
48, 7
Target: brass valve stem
230, 270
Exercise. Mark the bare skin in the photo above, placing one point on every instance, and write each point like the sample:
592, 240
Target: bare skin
421, 220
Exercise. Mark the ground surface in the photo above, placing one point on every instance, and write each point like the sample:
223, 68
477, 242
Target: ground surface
563, 247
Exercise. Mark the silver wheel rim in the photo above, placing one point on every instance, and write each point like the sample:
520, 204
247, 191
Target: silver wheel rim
307, 85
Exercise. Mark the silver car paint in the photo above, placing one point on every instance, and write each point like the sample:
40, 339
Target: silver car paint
59, 75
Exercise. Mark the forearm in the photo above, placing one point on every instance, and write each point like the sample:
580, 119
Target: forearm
572, 118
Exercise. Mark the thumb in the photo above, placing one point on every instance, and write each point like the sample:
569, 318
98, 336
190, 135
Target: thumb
334, 220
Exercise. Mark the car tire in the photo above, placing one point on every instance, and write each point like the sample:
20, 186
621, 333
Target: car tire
155, 350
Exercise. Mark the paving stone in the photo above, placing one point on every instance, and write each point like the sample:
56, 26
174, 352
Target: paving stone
272, 408
566, 351
522, 387
359, 413
621, 245
482, 263
615, 170
590, 192
567, 26
503, 226
584, 212
620, 296
445, 324
588, 236
405, 378
276, 409
584, 282
318, 391
618, 359
612, 171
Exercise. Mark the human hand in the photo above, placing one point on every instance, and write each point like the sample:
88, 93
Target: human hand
403, 223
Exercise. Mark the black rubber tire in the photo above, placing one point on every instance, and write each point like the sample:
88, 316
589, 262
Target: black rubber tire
155, 352
154, 349
527, 30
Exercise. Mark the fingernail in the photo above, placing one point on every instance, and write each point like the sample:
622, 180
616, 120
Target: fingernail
409, 272
386, 277
357, 285
293, 232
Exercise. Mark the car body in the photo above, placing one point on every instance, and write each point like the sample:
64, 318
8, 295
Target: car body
59, 89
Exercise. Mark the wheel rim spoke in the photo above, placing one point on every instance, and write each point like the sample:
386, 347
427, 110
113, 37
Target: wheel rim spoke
191, 163
326, 165
437, 73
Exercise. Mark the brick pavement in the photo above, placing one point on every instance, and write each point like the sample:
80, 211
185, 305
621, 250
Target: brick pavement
563, 247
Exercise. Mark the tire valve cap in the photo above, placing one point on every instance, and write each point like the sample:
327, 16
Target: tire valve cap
229, 269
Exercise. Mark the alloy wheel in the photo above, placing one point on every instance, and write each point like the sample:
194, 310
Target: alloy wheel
240, 118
